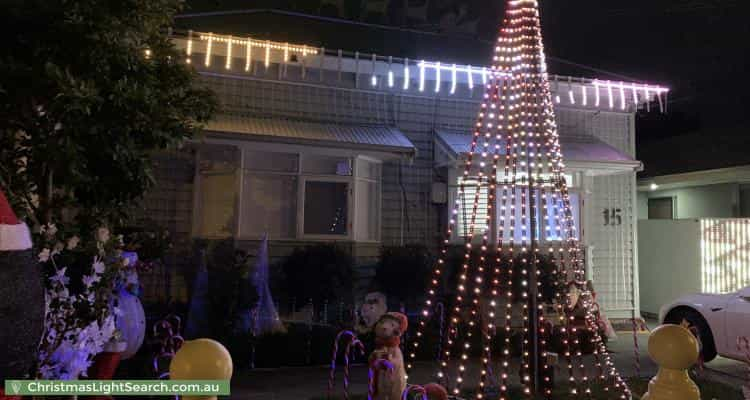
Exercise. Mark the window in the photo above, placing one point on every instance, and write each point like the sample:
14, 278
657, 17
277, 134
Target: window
287, 195
661, 208
466, 207
269, 195
510, 215
217, 198
269, 205
326, 208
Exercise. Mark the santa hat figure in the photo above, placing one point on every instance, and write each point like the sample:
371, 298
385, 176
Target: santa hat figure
14, 234
21, 298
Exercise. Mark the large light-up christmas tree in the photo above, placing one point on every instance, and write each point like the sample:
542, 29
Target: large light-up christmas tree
515, 158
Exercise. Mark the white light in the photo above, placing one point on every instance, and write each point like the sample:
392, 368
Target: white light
209, 45
584, 94
189, 50
611, 96
653, 186
406, 74
622, 96
437, 78
390, 78
421, 76
470, 76
268, 54
571, 96
484, 75
229, 54
453, 79
598, 96
374, 80
248, 55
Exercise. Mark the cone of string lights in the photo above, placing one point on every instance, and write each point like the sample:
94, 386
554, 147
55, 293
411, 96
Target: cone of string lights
515, 162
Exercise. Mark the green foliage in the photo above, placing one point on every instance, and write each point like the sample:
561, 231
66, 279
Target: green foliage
321, 272
403, 271
230, 292
88, 90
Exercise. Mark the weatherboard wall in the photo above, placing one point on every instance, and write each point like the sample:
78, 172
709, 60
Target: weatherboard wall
408, 214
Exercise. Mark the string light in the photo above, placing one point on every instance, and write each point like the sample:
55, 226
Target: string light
267, 61
454, 73
407, 79
437, 78
421, 76
454, 69
189, 47
517, 110
209, 45
228, 64
248, 55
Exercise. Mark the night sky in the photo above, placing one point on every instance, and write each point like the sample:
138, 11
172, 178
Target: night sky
698, 48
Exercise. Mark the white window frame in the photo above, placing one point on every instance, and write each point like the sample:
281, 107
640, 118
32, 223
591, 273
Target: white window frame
379, 197
300, 151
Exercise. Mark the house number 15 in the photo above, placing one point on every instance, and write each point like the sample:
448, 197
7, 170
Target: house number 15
612, 217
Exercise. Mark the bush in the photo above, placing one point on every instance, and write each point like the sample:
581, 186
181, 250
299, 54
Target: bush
321, 272
546, 264
402, 272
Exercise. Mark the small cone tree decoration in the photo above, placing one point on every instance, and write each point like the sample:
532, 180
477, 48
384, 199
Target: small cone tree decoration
516, 161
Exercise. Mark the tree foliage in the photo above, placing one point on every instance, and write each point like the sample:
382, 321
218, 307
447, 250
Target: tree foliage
88, 90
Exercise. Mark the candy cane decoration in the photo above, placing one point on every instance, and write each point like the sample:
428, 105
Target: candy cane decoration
414, 389
332, 375
370, 382
636, 349
353, 343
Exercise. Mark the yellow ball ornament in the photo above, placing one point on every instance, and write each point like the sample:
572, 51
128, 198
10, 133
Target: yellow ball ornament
201, 359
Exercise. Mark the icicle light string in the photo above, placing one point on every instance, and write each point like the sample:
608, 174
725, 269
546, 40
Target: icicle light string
464, 74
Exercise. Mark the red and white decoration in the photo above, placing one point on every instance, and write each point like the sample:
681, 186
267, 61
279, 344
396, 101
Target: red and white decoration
14, 234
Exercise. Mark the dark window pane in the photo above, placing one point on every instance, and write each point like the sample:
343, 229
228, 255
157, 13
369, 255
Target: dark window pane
326, 208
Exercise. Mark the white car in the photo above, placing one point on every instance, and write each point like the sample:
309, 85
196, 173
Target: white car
718, 320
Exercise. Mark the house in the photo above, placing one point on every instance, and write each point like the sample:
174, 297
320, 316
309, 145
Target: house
694, 218
318, 144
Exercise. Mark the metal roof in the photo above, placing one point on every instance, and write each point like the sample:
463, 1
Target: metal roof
370, 137
581, 149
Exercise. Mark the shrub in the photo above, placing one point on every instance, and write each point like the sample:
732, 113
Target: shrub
402, 272
320, 272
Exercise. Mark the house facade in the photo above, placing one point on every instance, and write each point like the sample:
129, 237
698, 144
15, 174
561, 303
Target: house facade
364, 150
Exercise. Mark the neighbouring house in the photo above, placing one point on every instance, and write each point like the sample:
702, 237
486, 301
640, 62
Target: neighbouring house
694, 218
318, 144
